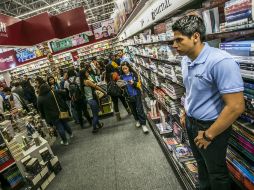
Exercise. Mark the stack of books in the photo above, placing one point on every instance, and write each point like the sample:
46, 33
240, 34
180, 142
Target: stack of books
192, 171
238, 15
182, 152
13, 176
240, 168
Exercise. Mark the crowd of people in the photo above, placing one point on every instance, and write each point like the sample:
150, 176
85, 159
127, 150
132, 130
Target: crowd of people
71, 92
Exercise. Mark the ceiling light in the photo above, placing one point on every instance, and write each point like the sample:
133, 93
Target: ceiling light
43, 8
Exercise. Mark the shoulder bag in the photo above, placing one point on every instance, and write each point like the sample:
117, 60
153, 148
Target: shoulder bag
62, 115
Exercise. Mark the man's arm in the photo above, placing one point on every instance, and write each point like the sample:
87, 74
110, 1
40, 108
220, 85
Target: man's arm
234, 107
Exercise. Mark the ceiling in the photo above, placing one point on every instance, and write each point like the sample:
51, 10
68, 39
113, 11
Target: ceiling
96, 10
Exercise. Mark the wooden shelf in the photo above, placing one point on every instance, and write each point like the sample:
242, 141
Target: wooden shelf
148, 43
7, 165
232, 34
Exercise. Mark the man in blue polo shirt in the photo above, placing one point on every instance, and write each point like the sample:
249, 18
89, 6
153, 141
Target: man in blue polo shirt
123, 57
214, 100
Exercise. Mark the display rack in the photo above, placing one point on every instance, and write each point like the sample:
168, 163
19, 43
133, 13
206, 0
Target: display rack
27, 158
160, 72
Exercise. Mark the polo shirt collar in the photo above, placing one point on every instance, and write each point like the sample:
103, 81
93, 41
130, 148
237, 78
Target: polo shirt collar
201, 57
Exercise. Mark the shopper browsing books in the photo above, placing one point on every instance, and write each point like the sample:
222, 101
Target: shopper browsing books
111, 67
15, 100
214, 100
116, 93
123, 57
88, 87
133, 95
50, 104
29, 91
72, 85
52, 83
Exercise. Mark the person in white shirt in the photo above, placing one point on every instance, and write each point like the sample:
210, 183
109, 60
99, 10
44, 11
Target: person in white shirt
14, 98
80, 105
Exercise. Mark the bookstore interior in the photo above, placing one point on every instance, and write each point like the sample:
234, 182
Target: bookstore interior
42, 38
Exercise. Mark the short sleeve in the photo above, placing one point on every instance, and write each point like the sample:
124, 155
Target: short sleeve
227, 76
66, 85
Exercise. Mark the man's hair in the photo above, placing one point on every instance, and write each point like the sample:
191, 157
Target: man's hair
7, 89
190, 24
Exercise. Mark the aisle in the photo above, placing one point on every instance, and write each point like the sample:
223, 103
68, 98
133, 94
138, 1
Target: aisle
119, 157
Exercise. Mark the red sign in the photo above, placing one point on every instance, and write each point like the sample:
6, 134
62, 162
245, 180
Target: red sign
7, 60
42, 27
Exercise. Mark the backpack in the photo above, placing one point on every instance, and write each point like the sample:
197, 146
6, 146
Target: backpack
113, 89
74, 90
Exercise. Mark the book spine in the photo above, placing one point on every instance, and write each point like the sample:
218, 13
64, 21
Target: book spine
238, 17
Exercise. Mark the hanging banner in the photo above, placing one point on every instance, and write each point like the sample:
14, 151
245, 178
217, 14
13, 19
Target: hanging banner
104, 29
7, 60
69, 42
26, 54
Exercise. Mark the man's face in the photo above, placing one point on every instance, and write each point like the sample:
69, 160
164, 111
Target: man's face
113, 58
183, 44
120, 53
25, 77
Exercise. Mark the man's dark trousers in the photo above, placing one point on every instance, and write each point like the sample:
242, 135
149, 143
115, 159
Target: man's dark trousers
212, 168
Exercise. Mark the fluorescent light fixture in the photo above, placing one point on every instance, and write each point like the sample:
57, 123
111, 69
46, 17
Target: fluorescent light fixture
99, 15
43, 8
99, 21
99, 6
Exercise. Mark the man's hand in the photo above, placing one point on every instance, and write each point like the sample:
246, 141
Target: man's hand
131, 82
183, 119
200, 141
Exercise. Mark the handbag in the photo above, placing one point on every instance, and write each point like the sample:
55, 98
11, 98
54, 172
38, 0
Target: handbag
99, 94
62, 115
113, 89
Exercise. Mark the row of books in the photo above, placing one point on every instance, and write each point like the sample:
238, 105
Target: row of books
4, 155
13, 176
241, 150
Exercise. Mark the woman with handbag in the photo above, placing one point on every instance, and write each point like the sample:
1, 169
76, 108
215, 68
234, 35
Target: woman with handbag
54, 110
52, 83
133, 94
88, 87
116, 93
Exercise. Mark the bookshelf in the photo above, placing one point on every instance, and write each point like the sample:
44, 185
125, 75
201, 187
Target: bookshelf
153, 69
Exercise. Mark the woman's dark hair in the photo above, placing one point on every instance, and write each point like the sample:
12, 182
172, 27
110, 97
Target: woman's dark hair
125, 63
71, 73
51, 77
188, 25
40, 81
82, 78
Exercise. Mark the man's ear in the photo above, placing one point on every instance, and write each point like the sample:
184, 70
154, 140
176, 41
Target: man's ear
196, 37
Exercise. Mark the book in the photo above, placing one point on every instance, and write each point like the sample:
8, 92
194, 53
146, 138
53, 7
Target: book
211, 20
170, 141
182, 152
192, 170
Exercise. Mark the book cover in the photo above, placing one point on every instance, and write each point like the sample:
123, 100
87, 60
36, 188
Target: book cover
211, 19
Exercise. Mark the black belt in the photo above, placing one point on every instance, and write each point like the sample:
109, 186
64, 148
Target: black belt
200, 122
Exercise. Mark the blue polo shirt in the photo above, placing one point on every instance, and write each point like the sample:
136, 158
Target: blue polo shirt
213, 73
124, 58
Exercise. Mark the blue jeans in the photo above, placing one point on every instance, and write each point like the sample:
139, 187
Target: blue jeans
95, 111
212, 167
61, 127
137, 109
